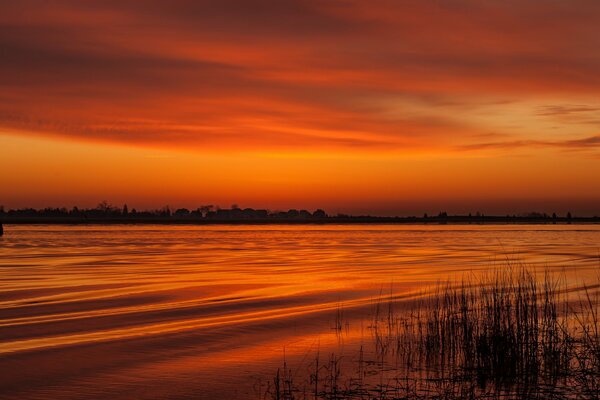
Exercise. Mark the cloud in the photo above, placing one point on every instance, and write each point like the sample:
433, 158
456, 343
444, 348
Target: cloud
561, 110
292, 74
586, 143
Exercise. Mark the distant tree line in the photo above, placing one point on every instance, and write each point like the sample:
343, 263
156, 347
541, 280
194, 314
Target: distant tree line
105, 212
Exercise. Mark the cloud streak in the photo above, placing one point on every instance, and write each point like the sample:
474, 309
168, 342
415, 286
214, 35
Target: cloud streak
587, 143
342, 75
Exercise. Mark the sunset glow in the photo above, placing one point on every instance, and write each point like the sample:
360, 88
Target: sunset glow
379, 107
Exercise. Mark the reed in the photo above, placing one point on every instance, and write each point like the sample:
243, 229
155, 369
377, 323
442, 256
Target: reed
509, 334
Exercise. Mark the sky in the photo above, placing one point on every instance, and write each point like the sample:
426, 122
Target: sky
365, 107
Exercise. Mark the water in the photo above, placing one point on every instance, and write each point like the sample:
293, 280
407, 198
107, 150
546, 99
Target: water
125, 312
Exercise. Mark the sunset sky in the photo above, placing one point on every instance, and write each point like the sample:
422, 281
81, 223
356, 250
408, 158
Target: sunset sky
379, 107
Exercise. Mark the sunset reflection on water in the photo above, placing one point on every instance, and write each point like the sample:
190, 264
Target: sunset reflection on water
206, 312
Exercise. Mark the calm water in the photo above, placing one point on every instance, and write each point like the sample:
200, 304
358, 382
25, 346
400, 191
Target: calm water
126, 312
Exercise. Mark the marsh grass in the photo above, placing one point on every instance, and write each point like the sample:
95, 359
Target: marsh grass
506, 335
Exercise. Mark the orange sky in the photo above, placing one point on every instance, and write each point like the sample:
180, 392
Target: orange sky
380, 107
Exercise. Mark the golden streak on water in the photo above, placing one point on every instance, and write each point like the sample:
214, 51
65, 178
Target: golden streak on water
199, 312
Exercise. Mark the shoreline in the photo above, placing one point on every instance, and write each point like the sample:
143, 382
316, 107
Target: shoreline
491, 220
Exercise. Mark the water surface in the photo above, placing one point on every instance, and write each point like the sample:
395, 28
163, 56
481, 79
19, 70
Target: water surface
207, 312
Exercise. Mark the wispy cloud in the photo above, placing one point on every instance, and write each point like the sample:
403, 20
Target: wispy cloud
586, 143
560, 110
295, 74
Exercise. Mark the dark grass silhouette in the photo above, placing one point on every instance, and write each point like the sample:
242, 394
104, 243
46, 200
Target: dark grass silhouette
509, 335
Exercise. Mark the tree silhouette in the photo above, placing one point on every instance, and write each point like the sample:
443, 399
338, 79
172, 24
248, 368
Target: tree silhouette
105, 207
319, 214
